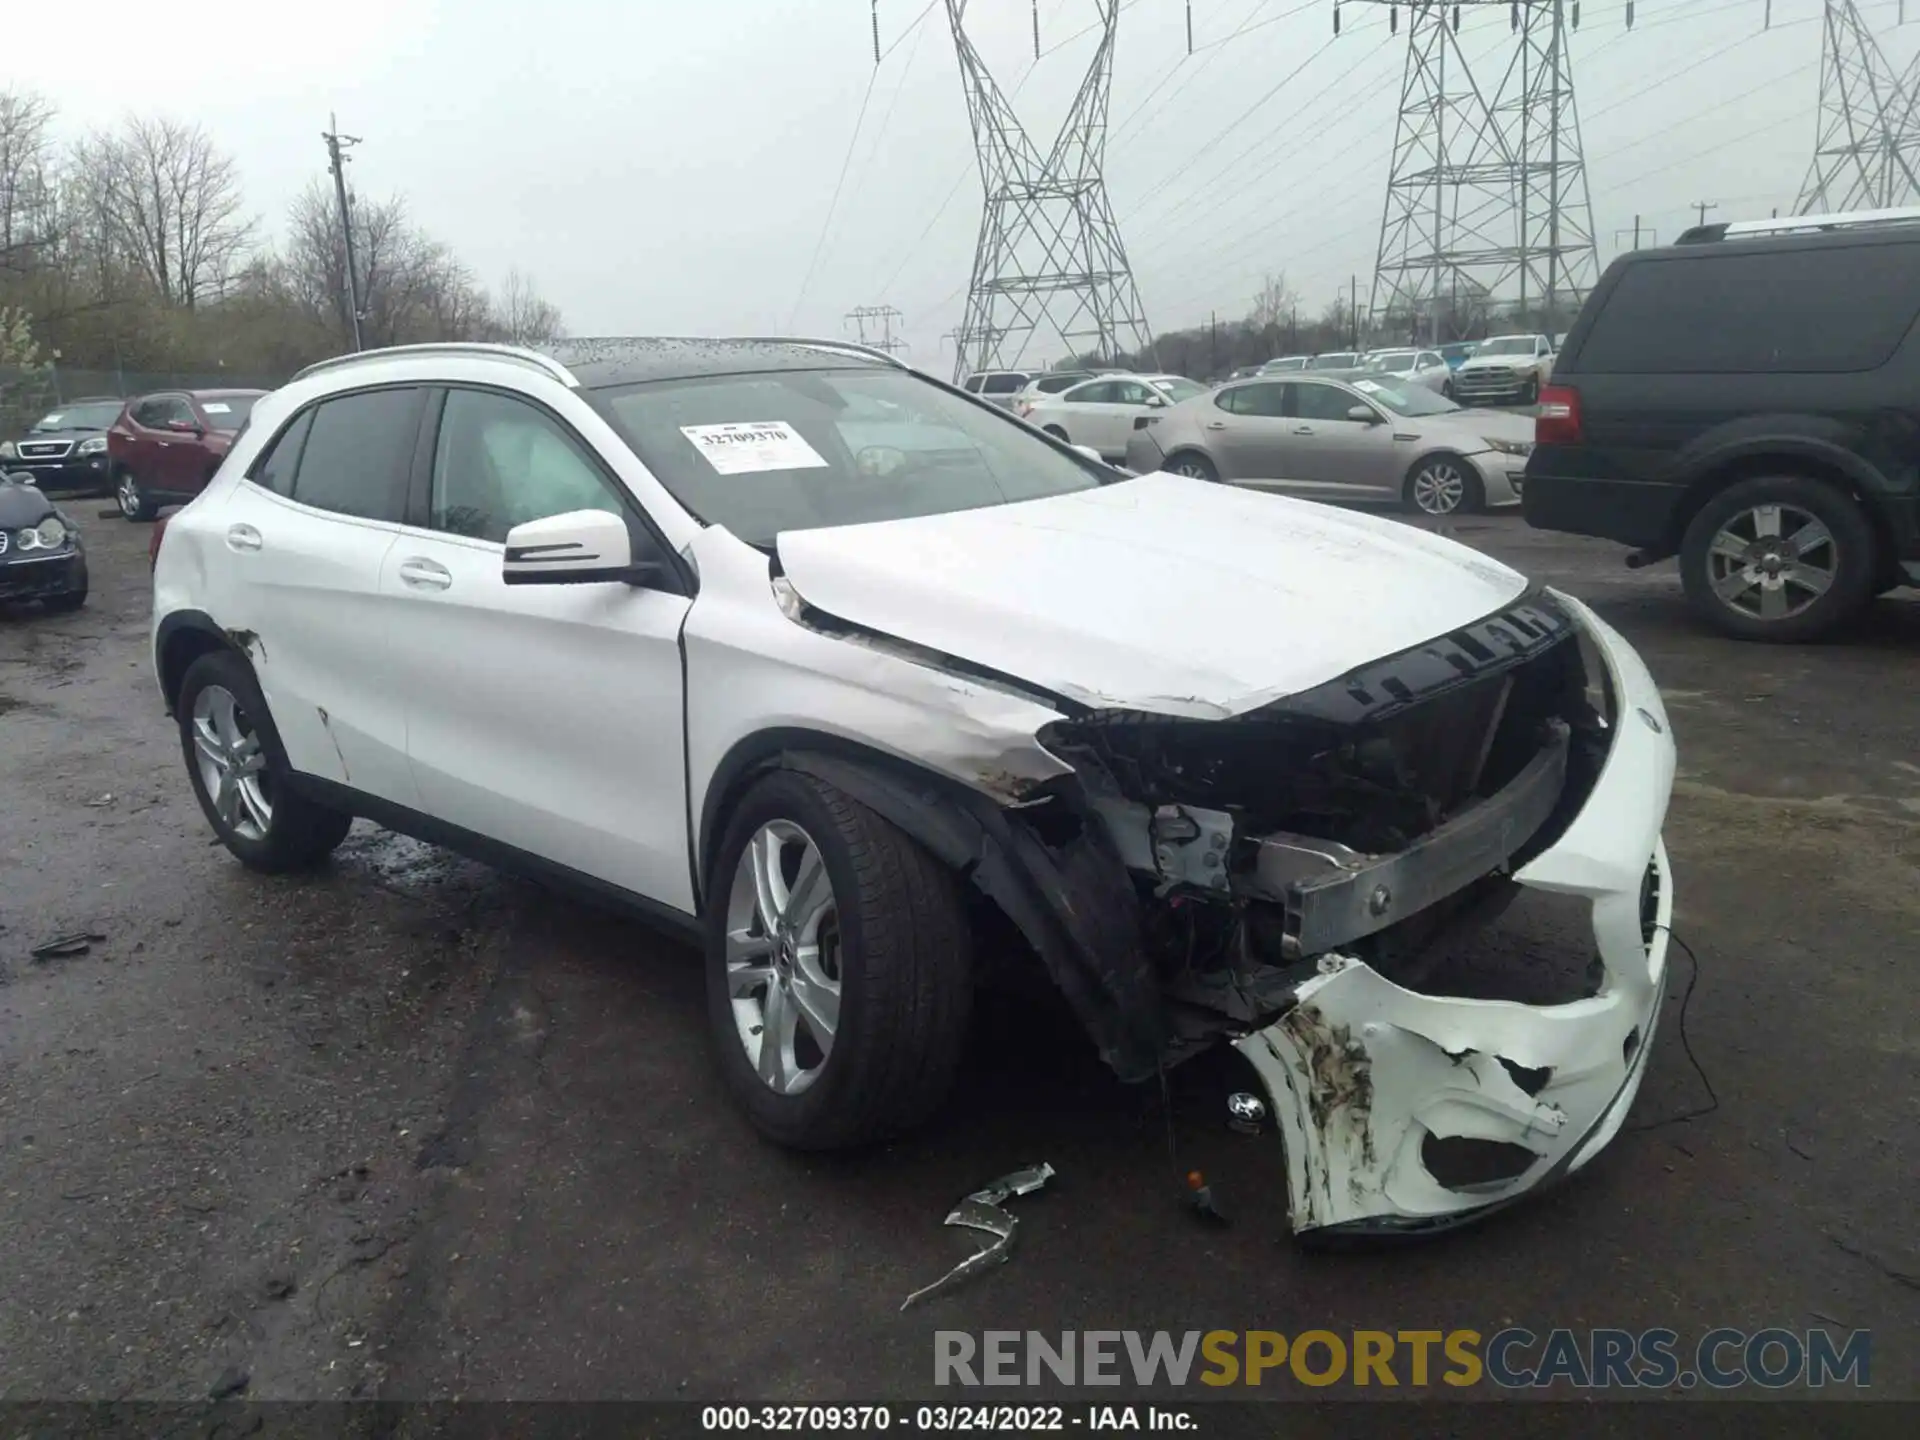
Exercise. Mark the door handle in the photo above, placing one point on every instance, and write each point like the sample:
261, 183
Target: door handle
1216, 424
1303, 430
242, 537
425, 574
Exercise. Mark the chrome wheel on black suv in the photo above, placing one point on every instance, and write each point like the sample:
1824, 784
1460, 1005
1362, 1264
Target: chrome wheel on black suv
1780, 558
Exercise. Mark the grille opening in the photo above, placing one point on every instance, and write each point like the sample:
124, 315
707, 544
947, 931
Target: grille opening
1464, 1163
1497, 940
1531, 1079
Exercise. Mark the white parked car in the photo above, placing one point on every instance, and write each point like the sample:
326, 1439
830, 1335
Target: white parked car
1099, 414
1415, 367
662, 620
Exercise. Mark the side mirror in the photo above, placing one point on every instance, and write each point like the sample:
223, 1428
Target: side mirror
185, 427
581, 547
1364, 414
1157, 401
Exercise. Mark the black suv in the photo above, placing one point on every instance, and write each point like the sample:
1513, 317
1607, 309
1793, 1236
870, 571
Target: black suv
1749, 400
66, 449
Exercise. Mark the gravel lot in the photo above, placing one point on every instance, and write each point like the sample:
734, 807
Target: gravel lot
407, 1128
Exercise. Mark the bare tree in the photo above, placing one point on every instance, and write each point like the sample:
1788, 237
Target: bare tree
28, 187
172, 204
523, 317
1275, 304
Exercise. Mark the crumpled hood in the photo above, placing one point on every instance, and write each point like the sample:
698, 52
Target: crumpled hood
1161, 593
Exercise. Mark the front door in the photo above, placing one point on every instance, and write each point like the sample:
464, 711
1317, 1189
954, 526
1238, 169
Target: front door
545, 717
1338, 455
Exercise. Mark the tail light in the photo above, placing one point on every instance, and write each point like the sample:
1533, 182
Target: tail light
1557, 421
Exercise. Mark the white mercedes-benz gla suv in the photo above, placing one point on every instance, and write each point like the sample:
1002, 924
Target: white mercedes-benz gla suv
820, 658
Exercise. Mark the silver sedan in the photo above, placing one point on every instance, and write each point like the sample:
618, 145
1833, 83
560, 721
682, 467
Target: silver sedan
1340, 439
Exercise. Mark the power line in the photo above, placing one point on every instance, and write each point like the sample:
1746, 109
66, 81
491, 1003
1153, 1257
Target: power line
834, 203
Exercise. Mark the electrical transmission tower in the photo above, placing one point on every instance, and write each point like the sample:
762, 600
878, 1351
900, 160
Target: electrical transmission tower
1049, 258
1487, 201
874, 325
1866, 155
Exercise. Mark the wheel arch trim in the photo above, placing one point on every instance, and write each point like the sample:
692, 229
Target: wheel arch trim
182, 637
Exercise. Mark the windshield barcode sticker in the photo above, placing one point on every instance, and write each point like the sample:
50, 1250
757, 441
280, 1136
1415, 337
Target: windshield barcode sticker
743, 448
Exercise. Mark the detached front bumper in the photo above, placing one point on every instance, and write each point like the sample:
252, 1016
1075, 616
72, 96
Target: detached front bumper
1371, 1082
1502, 476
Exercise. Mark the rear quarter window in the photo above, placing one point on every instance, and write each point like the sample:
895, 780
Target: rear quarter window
1830, 309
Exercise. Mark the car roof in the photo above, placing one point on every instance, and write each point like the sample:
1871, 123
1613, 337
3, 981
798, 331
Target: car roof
598, 363
235, 394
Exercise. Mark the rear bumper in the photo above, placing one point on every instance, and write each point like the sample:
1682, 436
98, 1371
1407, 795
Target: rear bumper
1632, 512
1363, 1073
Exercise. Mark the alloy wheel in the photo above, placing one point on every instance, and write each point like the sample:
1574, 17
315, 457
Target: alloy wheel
128, 494
784, 957
232, 763
1193, 469
1772, 562
1439, 488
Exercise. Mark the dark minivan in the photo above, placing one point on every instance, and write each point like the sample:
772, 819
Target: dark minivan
1748, 399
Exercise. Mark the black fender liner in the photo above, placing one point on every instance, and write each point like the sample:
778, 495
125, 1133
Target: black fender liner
1073, 900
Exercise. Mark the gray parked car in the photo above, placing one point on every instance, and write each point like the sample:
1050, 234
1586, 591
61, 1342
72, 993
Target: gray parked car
1339, 439
1413, 367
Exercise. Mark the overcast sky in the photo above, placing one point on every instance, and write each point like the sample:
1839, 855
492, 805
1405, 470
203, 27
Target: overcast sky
662, 166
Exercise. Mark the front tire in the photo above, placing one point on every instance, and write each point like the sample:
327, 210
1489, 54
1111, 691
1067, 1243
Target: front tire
134, 503
1783, 557
837, 938
239, 772
1057, 433
1443, 485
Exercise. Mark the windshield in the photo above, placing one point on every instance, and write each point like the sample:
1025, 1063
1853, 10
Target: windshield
801, 450
228, 412
1393, 360
1507, 345
1405, 399
1289, 362
1345, 361
81, 417
1178, 388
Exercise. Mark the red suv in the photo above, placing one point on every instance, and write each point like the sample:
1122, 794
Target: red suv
164, 448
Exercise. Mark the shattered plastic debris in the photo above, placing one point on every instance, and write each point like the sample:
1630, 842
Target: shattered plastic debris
65, 947
981, 1211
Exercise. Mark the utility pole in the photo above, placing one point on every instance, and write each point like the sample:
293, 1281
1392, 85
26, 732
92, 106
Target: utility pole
1353, 309
882, 319
1635, 232
337, 144
1703, 206
1049, 252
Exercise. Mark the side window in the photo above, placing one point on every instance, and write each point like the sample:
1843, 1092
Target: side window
150, 414
1428, 359
972, 384
1233, 400
499, 463
1101, 392
358, 451
1323, 402
274, 469
1132, 392
1004, 384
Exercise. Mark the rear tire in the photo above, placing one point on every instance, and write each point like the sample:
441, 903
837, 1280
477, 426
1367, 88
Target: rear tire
1057, 433
876, 946
253, 807
1193, 466
1797, 547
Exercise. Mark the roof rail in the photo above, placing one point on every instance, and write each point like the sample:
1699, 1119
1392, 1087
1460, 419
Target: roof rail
518, 354
846, 347
1792, 224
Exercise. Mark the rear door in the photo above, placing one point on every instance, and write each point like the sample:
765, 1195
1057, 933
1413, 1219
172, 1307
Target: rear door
307, 531
1248, 434
545, 717
177, 457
